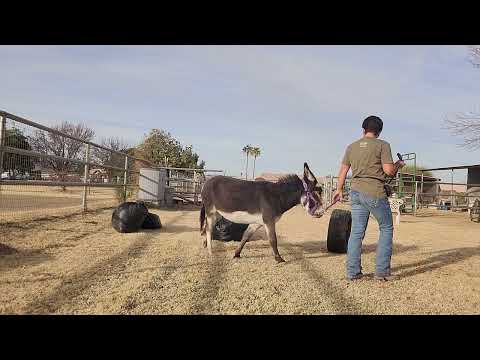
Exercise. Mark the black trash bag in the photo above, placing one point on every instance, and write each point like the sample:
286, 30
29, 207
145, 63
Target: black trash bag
226, 230
129, 217
152, 221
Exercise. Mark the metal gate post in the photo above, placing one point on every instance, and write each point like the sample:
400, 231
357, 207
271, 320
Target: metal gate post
125, 179
86, 177
451, 194
3, 123
421, 192
2, 140
416, 194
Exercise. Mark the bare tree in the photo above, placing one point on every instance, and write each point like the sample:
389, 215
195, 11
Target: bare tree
467, 124
105, 157
109, 158
55, 144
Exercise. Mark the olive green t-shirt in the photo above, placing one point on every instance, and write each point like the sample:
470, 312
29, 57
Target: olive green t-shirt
366, 156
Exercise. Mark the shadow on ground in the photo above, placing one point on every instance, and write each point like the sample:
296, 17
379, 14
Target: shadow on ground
439, 259
11, 258
176, 229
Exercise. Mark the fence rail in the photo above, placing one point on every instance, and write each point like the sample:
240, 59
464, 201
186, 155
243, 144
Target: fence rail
6, 115
413, 192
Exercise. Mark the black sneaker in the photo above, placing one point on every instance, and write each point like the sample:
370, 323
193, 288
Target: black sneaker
387, 277
356, 277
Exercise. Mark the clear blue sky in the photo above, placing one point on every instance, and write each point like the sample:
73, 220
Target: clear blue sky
298, 103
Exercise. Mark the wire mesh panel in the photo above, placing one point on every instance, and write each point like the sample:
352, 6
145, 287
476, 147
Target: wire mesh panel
58, 171
29, 202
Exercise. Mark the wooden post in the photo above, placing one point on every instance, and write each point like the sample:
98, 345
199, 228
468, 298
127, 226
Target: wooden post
125, 179
86, 177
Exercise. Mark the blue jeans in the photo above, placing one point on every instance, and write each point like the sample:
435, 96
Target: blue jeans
362, 206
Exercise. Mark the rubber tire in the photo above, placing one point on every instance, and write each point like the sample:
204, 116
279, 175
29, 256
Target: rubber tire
339, 229
225, 230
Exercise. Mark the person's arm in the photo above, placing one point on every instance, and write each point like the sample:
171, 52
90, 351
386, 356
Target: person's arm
389, 168
342, 175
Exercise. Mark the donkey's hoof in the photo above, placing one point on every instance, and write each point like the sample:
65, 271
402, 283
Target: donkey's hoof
279, 259
236, 256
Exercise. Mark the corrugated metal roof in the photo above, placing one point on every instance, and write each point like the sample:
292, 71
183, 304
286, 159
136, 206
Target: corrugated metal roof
273, 177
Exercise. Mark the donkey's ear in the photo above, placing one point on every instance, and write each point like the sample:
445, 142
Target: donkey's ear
308, 175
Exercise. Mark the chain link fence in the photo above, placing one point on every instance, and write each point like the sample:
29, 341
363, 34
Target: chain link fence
46, 173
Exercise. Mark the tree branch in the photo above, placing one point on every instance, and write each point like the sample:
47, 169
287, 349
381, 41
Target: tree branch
466, 125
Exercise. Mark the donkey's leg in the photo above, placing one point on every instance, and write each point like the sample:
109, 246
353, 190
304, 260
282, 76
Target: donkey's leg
204, 232
211, 221
240, 247
272, 236
246, 236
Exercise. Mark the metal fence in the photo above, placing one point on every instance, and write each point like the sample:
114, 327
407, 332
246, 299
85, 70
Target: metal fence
45, 172
187, 183
415, 195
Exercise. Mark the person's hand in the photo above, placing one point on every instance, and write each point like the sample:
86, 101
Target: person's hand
400, 164
338, 196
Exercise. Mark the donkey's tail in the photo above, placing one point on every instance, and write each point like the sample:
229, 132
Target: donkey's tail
202, 220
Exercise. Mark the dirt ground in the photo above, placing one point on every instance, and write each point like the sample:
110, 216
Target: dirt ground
79, 265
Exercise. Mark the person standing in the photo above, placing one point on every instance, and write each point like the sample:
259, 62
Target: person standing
371, 162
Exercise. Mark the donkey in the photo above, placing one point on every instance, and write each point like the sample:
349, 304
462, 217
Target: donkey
257, 202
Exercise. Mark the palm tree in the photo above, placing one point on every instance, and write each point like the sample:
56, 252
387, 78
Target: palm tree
247, 150
255, 153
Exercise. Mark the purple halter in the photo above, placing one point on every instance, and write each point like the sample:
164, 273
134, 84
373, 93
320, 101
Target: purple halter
309, 199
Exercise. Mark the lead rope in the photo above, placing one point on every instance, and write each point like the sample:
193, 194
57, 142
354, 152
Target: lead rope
329, 206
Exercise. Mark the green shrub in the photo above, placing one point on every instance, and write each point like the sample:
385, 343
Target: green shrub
121, 195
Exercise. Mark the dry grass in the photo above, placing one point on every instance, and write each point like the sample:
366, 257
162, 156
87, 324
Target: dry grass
80, 265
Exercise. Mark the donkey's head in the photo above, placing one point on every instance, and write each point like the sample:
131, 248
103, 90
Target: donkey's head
311, 198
